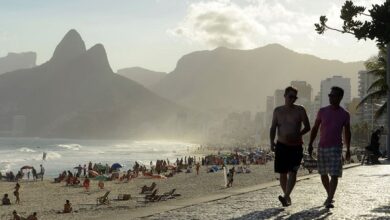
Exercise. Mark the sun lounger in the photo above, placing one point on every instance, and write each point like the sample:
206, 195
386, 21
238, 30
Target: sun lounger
148, 189
148, 198
169, 195
103, 200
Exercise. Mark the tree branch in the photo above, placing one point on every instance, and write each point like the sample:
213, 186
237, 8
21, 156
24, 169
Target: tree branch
341, 31
368, 15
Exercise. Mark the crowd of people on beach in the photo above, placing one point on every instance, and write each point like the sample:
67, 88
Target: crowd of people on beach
22, 172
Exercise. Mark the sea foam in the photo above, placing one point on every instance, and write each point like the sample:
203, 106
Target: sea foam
26, 149
70, 146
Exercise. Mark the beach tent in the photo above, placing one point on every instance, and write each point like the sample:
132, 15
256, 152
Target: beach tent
116, 166
213, 169
26, 167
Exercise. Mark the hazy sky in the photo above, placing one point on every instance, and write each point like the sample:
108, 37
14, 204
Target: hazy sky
154, 34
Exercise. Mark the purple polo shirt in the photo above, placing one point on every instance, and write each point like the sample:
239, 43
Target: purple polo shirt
332, 122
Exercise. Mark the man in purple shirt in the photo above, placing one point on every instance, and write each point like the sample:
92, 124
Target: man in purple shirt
331, 120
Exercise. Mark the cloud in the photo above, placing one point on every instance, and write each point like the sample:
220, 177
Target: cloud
221, 23
244, 26
247, 24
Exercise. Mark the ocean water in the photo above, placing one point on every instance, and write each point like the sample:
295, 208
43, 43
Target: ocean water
65, 154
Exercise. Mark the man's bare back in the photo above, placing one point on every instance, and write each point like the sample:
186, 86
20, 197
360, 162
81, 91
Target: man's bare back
288, 120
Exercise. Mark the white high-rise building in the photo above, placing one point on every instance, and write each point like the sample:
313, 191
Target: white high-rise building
327, 84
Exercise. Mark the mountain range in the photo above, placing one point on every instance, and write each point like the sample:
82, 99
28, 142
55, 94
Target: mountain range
143, 76
76, 95
236, 80
15, 61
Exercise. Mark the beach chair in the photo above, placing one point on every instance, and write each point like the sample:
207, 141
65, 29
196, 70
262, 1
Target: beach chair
148, 190
148, 198
103, 200
152, 195
169, 195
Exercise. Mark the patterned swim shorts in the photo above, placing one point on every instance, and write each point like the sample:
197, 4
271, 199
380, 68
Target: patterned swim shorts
330, 161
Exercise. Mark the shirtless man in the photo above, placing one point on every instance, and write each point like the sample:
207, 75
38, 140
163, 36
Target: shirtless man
287, 120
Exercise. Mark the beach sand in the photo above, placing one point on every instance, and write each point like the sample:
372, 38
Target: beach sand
47, 198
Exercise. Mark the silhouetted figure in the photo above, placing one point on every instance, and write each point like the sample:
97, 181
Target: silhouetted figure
16, 193
5, 200
15, 216
68, 207
32, 216
374, 145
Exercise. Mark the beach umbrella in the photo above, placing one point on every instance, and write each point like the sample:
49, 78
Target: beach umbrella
116, 166
26, 167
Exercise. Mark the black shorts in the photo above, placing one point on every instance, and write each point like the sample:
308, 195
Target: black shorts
287, 158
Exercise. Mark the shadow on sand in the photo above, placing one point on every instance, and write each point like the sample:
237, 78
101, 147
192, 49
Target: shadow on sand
265, 214
318, 212
273, 213
382, 209
381, 175
379, 210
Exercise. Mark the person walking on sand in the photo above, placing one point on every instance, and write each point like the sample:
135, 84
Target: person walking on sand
86, 184
85, 170
197, 168
230, 176
42, 172
34, 173
16, 193
287, 120
331, 120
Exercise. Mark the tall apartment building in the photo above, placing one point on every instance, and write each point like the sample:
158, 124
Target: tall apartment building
304, 91
313, 110
327, 84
